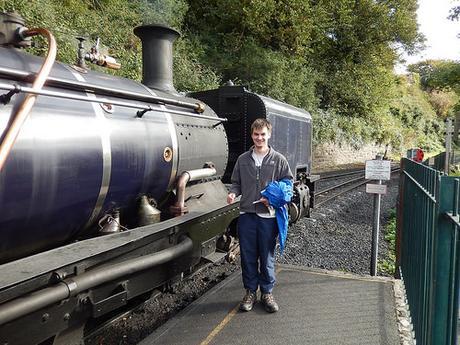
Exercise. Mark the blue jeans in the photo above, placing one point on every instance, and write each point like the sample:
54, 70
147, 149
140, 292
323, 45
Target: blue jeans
257, 237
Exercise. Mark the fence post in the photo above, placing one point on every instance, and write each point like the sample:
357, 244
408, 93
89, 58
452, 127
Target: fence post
444, 266
399, 220
448, 145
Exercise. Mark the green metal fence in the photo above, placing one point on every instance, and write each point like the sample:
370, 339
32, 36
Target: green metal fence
428, 251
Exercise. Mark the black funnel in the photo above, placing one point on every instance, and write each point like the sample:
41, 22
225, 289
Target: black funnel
157, 59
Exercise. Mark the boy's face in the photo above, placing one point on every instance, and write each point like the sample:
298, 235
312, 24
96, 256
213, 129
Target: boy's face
260, 137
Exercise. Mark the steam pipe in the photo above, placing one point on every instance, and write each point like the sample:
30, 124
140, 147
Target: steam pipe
179, 208
23, 111
85, 87
72, 286
18, 88
188, 176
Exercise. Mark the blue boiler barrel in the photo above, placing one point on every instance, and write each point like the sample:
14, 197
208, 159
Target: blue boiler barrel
75, 161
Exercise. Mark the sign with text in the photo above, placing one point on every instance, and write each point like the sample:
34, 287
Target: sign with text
377, 170
376, 188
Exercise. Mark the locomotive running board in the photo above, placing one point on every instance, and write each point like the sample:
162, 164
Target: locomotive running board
27, 274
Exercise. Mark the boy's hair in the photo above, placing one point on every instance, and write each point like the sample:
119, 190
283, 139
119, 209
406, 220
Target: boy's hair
261, 123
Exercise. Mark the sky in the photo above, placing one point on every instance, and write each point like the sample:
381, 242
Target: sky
441, 33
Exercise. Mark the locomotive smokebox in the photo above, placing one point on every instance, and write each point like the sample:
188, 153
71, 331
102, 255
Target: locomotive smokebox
157, 59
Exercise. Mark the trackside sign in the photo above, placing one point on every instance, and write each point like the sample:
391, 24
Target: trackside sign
377, 170
376, 188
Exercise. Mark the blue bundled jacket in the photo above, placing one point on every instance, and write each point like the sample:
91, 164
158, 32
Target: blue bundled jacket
279, 193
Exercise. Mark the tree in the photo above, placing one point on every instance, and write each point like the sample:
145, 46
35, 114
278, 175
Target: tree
346, 46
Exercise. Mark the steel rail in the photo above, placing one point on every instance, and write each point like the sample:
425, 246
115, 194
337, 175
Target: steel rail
318, 203
323, 191
347, 173
25, 89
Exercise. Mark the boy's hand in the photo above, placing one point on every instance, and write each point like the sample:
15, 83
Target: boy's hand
264, 201
231, 198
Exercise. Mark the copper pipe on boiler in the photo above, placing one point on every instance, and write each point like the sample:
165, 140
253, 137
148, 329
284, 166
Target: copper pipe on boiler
24, 109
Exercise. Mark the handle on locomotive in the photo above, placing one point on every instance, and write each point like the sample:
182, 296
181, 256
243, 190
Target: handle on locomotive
24, 109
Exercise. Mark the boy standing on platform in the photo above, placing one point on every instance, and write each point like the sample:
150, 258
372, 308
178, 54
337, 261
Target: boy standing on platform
257, 227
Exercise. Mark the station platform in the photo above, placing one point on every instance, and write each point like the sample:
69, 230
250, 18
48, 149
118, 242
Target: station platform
316, 307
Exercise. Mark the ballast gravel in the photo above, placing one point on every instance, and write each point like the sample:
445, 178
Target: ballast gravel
338, 235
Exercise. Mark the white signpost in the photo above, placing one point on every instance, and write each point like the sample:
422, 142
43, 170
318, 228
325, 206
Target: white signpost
376, 169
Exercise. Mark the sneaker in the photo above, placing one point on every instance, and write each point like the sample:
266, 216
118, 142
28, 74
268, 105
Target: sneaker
248, 301
269, 303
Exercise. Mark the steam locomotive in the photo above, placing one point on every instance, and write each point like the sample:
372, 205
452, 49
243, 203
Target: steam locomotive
110, 188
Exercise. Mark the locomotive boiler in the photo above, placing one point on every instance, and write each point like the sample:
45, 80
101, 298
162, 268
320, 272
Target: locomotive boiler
110, 188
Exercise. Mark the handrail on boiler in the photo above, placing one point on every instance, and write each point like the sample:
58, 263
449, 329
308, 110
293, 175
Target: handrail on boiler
23, 111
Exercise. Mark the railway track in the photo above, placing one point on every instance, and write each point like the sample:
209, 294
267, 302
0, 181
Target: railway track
331, 192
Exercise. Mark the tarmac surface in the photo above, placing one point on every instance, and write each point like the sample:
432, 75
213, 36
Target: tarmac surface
316, 307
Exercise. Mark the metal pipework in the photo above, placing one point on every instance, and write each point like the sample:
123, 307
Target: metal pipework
11, 28
56, 94
23, 111
179, 208
72, 286
86, 87
94, 56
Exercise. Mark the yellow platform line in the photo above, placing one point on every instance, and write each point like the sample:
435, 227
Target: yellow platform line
225, 321
220, 326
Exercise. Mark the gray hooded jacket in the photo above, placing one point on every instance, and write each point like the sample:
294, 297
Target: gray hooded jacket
249, 180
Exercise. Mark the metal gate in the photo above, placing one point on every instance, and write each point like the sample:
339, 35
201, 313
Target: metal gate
427, 248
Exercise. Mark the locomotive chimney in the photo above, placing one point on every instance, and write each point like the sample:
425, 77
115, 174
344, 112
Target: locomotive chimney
157, 59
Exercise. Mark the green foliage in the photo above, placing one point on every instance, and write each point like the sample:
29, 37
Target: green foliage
113, 21
333, 58
438, 74
388, 265
354, 53
327, 128
189, 73
417, 122
271, 73
443, 102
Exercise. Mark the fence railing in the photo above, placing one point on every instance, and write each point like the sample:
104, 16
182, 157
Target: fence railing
438, 161
428, 250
